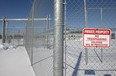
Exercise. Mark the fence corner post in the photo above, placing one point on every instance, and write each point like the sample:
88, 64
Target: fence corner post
58, 43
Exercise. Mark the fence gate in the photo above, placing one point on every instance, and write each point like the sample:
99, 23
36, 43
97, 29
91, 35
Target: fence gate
12, 31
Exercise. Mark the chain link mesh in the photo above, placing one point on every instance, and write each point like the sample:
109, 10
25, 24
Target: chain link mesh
80, 61
15, 33
39, 37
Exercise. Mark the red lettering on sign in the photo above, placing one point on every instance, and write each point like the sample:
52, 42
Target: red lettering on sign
93, 37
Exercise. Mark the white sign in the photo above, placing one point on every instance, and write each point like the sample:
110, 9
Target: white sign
93, 37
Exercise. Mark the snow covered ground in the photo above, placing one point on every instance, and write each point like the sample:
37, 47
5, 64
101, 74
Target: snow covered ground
76, 65
14, 61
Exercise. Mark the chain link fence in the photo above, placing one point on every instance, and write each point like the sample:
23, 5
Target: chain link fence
15, 32
78, 61
12, 31
39, 37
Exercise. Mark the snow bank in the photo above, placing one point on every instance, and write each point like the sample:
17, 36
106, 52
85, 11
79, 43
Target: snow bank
7, 46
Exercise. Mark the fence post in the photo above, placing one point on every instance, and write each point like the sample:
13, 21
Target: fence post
4, 31
65, 2
6, 28
47, 30
101, 25
59, 37
32, 31
85, 25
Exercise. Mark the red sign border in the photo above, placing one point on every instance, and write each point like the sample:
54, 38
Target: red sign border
96, 29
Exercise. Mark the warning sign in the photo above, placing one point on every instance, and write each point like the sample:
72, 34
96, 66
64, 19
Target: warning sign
99, 38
